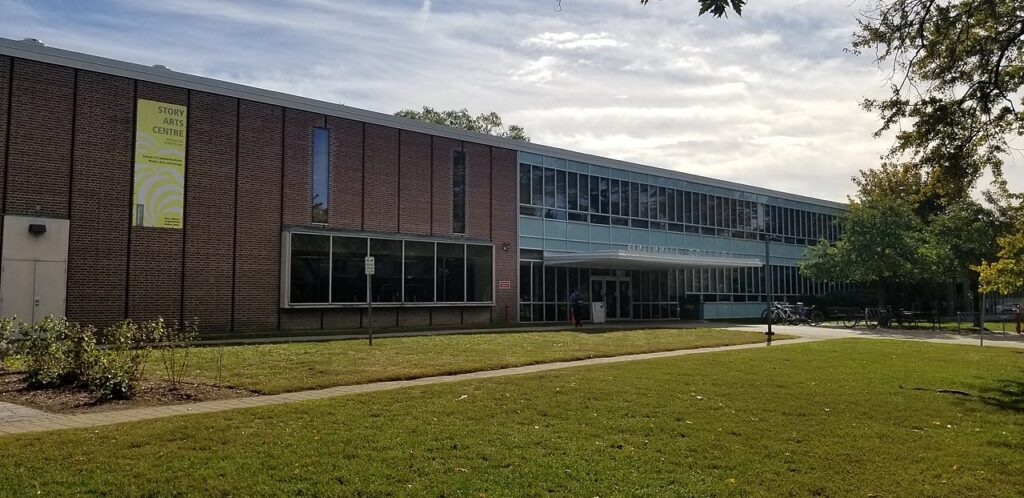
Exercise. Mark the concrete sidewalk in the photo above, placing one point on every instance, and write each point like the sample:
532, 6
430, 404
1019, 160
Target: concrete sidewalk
42, 421
1008, 340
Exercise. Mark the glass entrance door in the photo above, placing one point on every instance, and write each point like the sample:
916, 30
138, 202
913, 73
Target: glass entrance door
615, 293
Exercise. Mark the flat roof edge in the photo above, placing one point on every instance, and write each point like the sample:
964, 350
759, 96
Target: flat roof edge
39, 52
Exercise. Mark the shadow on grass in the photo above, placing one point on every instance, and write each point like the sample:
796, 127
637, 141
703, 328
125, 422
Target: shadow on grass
1005, 394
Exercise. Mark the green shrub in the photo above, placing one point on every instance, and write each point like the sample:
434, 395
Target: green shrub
122, 359
59, 353
6, 341
112, 362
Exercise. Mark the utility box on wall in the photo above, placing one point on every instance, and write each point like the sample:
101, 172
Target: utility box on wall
33, 280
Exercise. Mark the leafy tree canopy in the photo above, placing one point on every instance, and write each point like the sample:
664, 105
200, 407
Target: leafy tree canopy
956, 72
881, 244
489, 123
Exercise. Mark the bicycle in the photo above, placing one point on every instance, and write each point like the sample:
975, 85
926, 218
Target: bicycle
790, 314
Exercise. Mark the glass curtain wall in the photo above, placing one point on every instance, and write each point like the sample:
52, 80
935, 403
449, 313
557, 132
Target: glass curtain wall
329, 269
559, 195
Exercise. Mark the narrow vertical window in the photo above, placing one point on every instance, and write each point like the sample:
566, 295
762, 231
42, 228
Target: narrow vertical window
459, 192
320, 194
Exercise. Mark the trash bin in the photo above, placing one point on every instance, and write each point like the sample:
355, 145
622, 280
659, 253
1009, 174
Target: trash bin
597, 312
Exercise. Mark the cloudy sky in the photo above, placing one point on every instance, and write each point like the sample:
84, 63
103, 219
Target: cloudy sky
769, 99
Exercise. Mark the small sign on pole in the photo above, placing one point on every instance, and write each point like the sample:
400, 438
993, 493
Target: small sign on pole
370, 268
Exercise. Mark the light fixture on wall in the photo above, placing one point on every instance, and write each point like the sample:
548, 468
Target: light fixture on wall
504, 247
36, 228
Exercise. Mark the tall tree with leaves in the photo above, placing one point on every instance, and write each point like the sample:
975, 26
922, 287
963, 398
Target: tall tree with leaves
489, 123
957, 67
880, 247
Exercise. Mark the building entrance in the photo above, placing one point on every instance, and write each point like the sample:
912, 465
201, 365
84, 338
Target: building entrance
616, 294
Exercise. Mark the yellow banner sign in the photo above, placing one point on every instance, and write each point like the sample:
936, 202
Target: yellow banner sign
159, 197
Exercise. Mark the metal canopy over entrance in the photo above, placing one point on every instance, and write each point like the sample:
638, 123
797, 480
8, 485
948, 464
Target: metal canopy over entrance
642, 260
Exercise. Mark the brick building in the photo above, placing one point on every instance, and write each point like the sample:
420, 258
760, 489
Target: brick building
131, 191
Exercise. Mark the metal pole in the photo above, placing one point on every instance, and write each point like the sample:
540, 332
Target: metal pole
981, 319
768, 279
369, 304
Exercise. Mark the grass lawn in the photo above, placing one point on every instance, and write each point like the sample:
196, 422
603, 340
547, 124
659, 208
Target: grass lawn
842, 417
277, 368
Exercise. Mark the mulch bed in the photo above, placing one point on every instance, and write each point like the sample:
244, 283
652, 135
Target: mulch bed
72, 400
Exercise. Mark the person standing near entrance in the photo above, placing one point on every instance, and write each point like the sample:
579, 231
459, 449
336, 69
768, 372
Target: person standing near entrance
574, 303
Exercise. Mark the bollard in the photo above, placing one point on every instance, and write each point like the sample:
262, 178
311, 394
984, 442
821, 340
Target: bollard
1018, 319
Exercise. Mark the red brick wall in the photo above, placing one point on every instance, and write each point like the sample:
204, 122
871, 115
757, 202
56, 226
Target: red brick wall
39, 161
210, 213
155, 260
381, 185
5, 94
258, 222
346, 174
505, 227
224, 266
298, 166
414, 209
100, 199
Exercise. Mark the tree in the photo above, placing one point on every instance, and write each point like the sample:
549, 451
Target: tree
489, 123
1004, 272
957, 67
881, 246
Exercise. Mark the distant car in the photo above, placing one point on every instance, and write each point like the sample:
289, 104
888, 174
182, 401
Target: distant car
1007, 308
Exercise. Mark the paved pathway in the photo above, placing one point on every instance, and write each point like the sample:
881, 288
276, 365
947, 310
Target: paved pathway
9, 412
1009, 339
48, 421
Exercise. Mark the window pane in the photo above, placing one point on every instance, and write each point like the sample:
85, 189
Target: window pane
451, 268
549, 187
560, 189
538, 281
310, 267
652, 201
524, 282
537, 196
604, 196
348, 276
671, 204
614, 197
624, 188
595, 194
643, 202
321, 139
662, 203
478, 273
419, 272
572, 200
584, 193
524, 183
387, 278
458, 193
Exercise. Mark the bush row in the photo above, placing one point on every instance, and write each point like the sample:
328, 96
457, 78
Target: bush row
111, 361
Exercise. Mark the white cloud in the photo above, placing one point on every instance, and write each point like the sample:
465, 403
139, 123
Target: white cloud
572, 41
